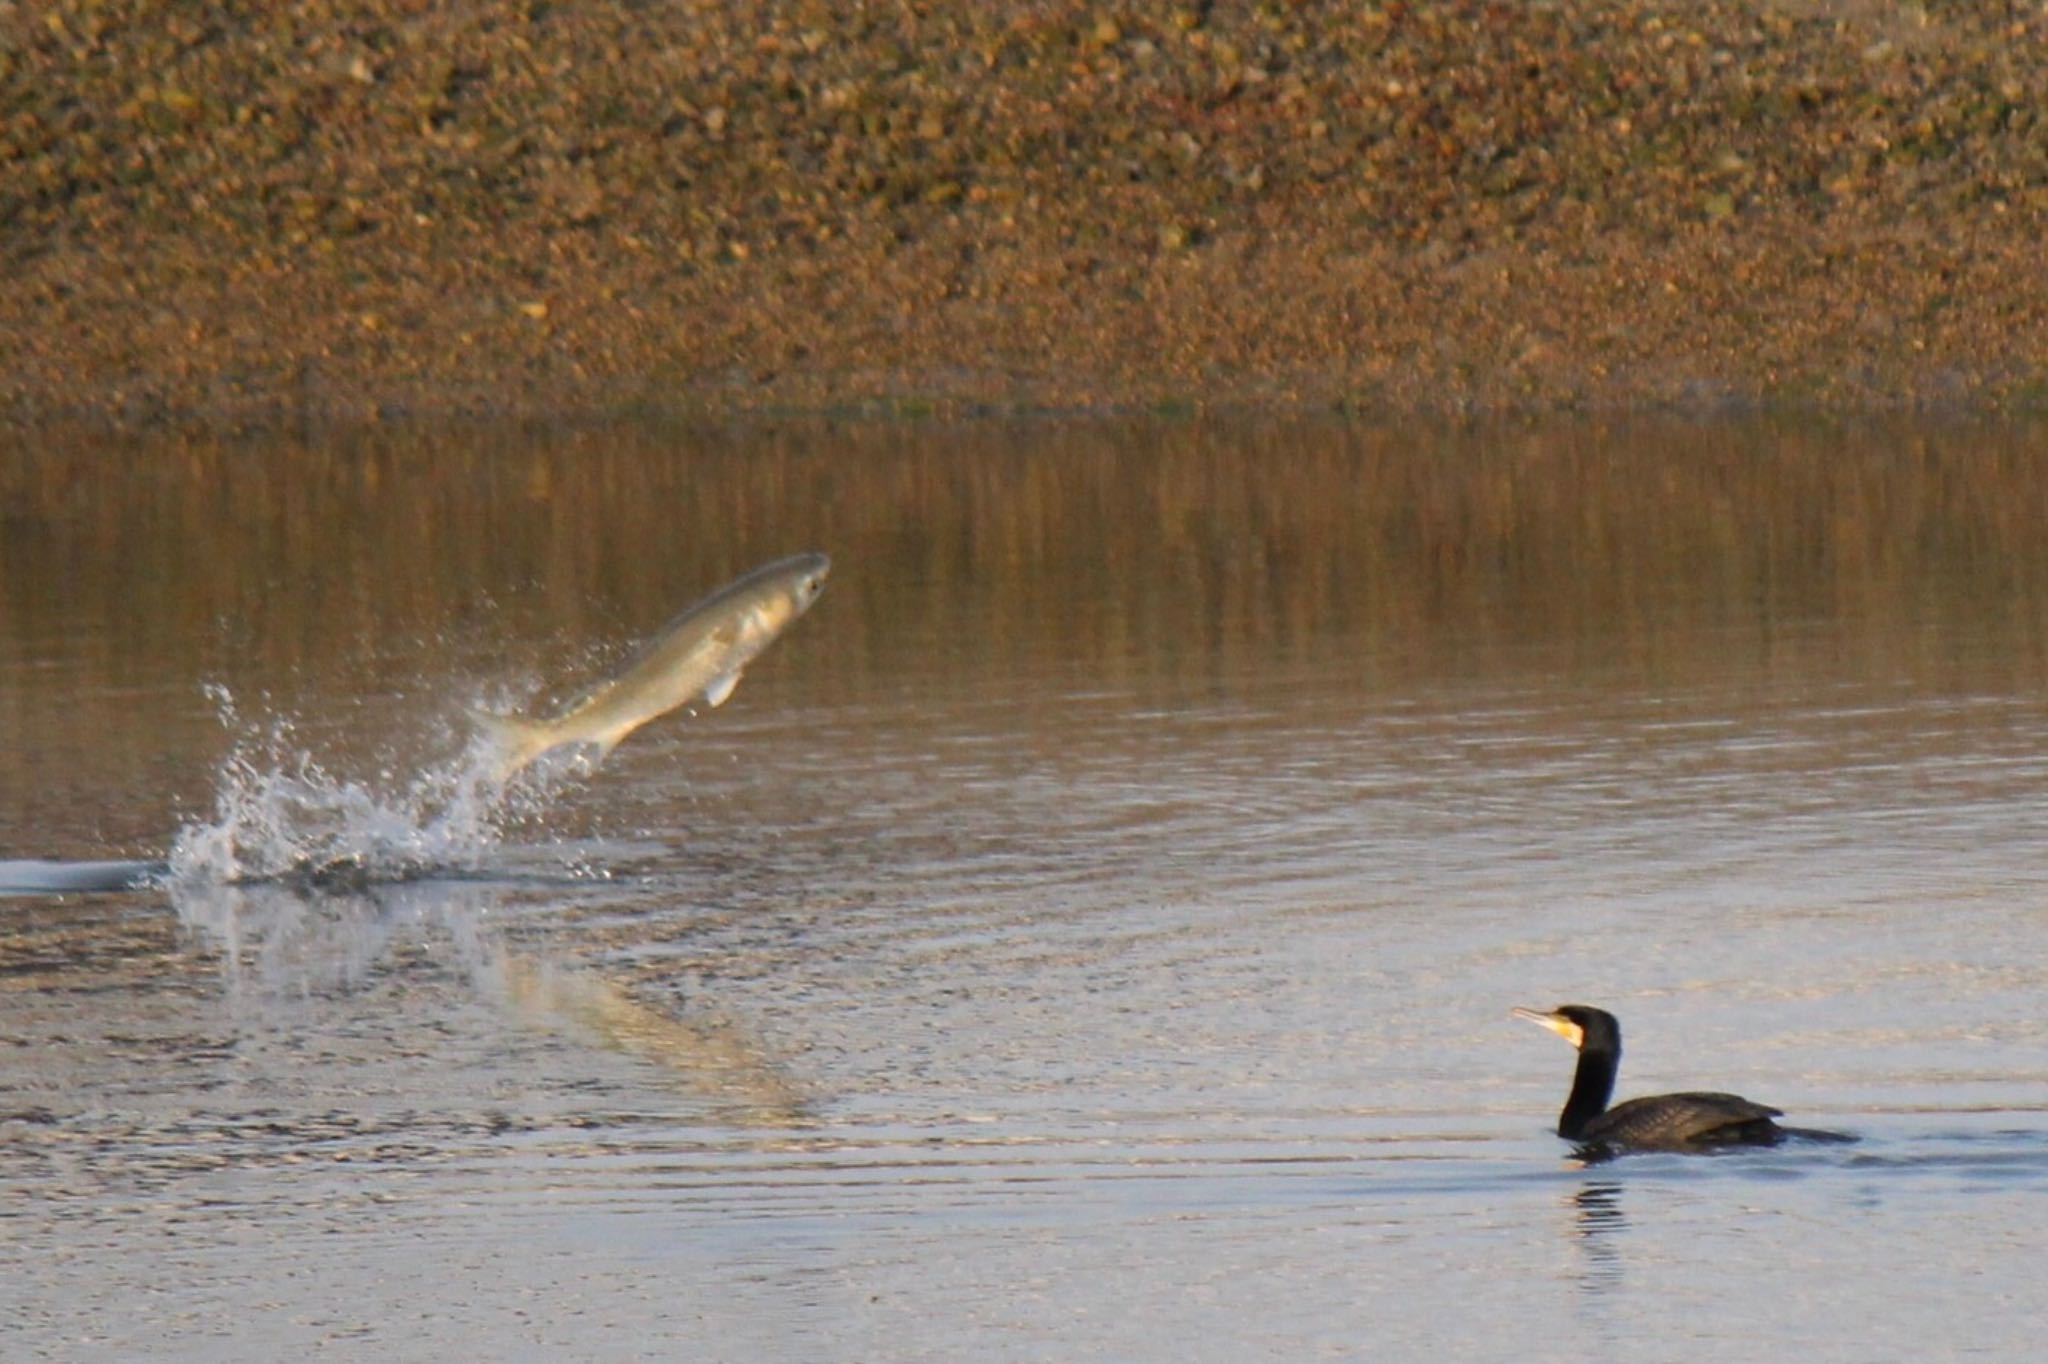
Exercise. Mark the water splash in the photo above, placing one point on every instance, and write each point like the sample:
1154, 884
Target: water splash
280, 815
309, 881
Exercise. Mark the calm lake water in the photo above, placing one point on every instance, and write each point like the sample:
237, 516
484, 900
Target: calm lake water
1089, 934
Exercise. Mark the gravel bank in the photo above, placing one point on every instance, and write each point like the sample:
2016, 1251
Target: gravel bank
223, 212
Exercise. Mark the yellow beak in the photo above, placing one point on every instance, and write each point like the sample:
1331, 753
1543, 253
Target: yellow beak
1557, 1023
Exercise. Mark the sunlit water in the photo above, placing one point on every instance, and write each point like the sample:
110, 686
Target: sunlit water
1088, 934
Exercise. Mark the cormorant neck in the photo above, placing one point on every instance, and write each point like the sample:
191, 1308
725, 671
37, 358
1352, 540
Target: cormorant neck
1591, 1087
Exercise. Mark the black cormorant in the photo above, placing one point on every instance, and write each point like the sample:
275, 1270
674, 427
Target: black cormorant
1665, 1122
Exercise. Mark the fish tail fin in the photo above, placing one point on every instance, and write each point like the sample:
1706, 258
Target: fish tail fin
517, 742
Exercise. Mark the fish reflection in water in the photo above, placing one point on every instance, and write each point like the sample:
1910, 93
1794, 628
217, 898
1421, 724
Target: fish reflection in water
716, 1058
295, 940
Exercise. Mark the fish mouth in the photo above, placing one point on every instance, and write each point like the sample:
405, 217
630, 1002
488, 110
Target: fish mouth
1556, 1022
817, 567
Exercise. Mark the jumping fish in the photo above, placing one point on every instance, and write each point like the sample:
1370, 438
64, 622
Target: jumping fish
699, 653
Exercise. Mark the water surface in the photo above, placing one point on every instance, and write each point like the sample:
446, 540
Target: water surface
1088, 934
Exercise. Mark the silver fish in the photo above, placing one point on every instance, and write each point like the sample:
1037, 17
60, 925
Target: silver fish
699, 653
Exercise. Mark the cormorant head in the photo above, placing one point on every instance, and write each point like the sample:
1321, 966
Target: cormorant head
1585, 1027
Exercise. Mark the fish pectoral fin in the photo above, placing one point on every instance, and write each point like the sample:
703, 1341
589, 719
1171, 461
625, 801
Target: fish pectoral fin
721, 687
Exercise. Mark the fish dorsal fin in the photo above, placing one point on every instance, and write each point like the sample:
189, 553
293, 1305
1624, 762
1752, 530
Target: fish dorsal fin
721, 687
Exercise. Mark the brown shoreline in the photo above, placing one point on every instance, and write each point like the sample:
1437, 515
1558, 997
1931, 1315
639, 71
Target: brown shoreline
220, 215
